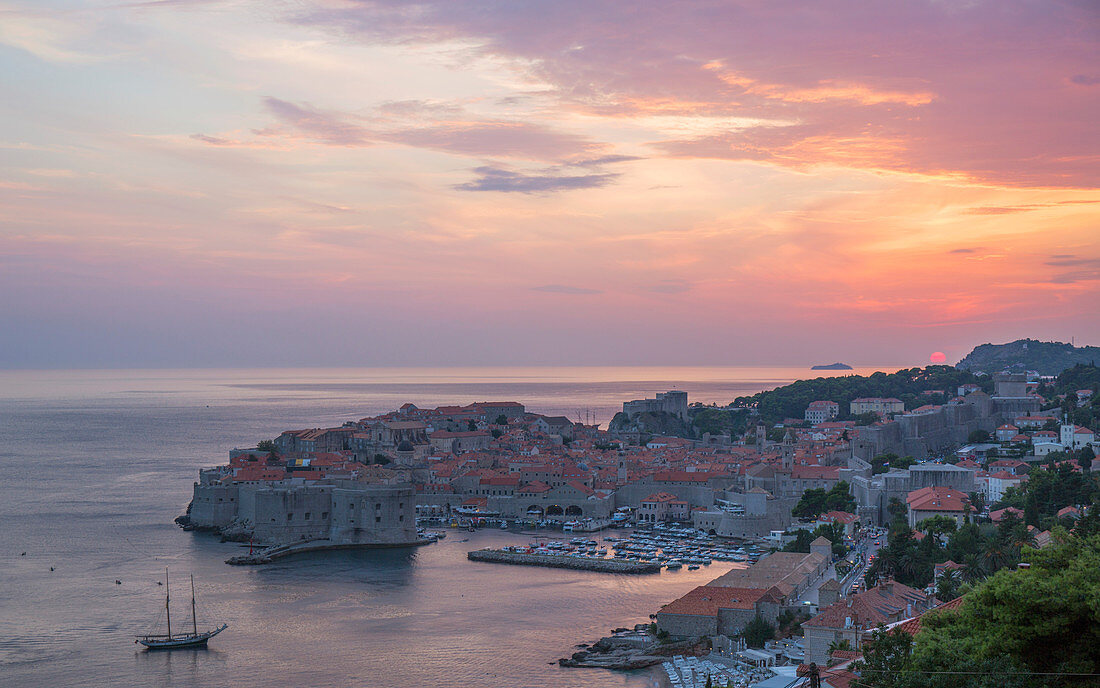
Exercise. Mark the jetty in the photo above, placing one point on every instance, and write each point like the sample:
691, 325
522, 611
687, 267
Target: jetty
276, 552
563, 561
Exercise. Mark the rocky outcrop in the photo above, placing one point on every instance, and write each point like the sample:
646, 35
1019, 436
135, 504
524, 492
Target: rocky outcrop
653, 423
632, 651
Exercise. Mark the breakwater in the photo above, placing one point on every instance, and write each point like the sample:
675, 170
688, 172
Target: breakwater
270, 554
561, 561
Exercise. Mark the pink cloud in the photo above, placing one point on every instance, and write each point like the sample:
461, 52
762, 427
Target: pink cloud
438, 127
972, 90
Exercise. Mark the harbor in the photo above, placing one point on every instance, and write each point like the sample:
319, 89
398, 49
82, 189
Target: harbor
643, 551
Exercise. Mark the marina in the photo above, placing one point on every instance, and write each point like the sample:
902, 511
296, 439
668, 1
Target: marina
697, 672
645, 551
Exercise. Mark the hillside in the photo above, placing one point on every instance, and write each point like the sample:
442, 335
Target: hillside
790, 401
1048, 358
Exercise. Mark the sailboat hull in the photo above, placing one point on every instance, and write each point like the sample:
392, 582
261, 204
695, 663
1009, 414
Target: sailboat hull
163, 642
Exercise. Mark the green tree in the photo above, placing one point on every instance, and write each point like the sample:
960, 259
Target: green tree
757, 632
791, 400
897, 509
817, 501
1045, 618
1085, 457
266, 446
885, 660
947, 587
978, 437
977, 500
937, 525
502, 419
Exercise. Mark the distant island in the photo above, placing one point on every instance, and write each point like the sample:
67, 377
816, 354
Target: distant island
1046, 358
832, 366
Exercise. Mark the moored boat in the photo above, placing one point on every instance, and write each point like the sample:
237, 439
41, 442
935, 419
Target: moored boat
171, 641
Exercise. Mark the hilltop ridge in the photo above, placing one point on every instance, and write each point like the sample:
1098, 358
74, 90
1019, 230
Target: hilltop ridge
1048, 358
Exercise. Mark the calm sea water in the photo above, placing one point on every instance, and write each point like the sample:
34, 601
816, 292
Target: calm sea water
94, 465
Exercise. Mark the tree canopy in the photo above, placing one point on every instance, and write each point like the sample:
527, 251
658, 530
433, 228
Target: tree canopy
1049, 489
757, 632
833, 532
790, 401
817, 501
1011, 628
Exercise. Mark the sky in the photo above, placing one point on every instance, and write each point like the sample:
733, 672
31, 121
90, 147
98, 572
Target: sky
189, 183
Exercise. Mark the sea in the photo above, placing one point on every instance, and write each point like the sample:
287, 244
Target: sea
96, 464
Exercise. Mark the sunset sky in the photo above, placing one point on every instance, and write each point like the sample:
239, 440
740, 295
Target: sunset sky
203, 183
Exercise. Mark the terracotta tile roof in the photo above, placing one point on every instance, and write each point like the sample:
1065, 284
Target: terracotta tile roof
534, 487
840, 678
660, 497
682, 476
937, 499
846, 654
816, 472
880, 605
999, 514
838, 516
912, 626
581, 487
706, 600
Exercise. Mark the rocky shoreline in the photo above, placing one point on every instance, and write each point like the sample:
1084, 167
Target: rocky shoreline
625, 650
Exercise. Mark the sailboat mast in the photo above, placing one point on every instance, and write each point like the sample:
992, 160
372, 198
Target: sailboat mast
194, 619
167, 600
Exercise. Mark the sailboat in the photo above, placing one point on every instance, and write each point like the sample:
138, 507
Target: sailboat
169, 641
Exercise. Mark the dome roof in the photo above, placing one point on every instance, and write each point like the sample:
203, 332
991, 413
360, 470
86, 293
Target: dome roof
406, 446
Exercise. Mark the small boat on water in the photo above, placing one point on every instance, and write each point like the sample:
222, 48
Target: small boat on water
170, 641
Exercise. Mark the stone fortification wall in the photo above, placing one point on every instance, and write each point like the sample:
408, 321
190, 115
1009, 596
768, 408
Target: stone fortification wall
754, 503
581, 507
941, 475
213, 506
292, 514
272, 513
923, 435
374, 514
675, 403
725, 524
688, 625
873, 494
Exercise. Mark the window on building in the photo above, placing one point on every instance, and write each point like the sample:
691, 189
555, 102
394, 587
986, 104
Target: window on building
377, 507
324, 515
290, 517
309, 514
401, 517
377, 519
